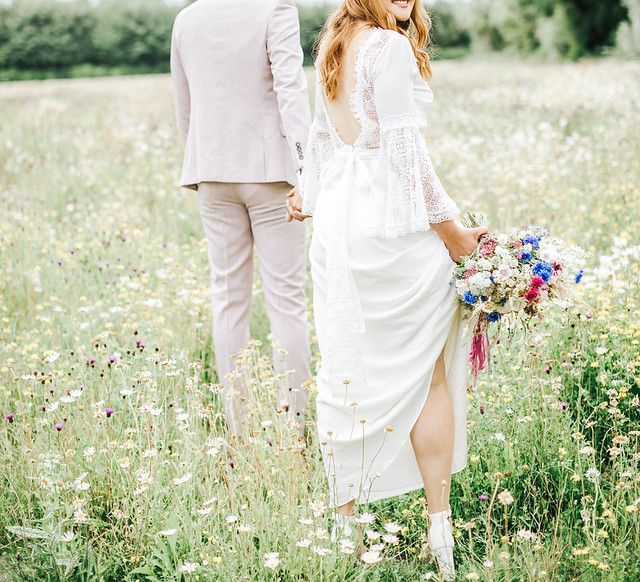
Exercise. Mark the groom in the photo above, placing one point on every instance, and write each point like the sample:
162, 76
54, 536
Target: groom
243, 114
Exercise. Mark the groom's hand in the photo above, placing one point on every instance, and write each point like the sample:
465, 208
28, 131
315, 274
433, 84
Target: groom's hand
294, 206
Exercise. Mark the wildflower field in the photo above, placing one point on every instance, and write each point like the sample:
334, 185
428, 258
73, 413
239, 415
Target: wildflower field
114, 463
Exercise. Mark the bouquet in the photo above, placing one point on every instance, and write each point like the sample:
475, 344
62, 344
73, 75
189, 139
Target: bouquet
518, 275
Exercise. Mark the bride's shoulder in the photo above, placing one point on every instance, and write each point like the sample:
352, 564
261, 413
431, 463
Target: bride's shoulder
390, 41
387, 47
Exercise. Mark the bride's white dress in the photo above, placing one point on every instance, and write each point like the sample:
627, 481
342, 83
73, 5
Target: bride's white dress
383, 302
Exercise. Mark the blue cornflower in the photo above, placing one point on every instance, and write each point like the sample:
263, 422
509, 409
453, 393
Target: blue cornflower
579, 275
494, 316
543, 270
469, 298
534, 241
525, 257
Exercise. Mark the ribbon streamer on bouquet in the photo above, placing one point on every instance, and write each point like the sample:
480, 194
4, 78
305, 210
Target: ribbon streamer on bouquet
479, 354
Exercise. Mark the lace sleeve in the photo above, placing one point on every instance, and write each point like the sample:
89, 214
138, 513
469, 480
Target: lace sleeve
407, 194
320, 148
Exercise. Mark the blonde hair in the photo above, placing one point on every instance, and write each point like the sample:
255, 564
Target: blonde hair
343, 23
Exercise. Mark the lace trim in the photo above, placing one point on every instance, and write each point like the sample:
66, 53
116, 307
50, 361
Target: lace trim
407, 193
320, 148
362, 98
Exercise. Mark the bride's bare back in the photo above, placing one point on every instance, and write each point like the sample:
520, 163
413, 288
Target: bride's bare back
339, 109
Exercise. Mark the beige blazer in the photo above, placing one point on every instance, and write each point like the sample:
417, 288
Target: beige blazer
240, 91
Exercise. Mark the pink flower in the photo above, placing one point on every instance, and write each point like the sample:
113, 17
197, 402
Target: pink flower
469, 273
108, 412
59, 426
537, 282
488, 247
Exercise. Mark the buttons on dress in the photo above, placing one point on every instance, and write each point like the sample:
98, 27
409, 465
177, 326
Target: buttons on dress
299, 148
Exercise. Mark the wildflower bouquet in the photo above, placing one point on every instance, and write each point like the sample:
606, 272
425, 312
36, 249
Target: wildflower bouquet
520, 275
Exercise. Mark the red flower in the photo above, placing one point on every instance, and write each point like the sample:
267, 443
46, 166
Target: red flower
537, 282
531, 295
557, 267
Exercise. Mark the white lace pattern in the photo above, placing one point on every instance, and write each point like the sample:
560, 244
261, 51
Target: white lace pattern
389, 95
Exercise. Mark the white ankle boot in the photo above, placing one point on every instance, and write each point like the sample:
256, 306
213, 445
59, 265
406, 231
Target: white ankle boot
441, 543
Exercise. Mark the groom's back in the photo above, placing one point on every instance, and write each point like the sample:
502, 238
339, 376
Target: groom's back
223, 45
235, 129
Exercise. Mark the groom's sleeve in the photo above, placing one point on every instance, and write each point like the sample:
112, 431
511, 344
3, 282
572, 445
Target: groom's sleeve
181, 93
289, 80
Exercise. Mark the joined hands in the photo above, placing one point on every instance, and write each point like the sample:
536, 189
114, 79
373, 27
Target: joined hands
294, 206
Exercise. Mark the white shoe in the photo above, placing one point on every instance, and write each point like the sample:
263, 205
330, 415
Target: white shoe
441, 543
342, 526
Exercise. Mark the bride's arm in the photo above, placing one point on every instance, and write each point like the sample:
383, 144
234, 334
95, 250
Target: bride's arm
407, 190
320, 149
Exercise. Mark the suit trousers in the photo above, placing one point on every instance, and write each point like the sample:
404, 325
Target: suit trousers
236, 216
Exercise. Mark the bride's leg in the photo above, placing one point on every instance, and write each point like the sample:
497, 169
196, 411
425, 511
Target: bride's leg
344, 522
432, 440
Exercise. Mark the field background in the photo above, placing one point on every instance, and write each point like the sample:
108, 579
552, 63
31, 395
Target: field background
104, 305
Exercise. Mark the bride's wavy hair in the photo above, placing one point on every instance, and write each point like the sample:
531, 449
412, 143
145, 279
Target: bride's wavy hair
342, 24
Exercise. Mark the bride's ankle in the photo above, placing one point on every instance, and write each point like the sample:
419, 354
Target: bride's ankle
443, 514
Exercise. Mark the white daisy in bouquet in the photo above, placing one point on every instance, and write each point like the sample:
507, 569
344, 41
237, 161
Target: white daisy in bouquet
519, 275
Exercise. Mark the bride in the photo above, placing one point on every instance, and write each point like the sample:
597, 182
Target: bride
391, 401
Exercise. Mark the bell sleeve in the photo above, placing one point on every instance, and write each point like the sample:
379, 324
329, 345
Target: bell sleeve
407, 194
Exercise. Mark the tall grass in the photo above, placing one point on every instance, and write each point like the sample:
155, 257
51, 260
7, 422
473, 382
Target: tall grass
115, 463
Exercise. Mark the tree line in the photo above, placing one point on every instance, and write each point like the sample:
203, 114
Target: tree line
80, 37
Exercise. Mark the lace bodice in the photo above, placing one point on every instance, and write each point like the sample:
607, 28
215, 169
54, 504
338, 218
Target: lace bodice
389, 101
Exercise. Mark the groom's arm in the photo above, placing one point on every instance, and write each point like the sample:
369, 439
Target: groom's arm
182, 97
289, 80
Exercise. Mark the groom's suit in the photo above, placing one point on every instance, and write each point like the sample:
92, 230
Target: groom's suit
243, 114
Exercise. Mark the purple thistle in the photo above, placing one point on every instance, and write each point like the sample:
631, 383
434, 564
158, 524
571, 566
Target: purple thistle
564, 405
59, 426
482, 409
108, 412
113, 359
484, 497
9, 416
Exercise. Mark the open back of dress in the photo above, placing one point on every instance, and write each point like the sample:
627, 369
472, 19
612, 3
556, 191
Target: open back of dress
340, 110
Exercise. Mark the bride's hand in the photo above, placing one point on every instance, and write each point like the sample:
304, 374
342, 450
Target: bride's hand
294, 206
459, 240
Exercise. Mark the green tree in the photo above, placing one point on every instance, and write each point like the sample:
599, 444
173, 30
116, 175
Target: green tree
46, 35
446, 30
312, 19
628, 34
136, 33
595, 22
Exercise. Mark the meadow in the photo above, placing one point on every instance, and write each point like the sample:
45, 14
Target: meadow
114, 463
